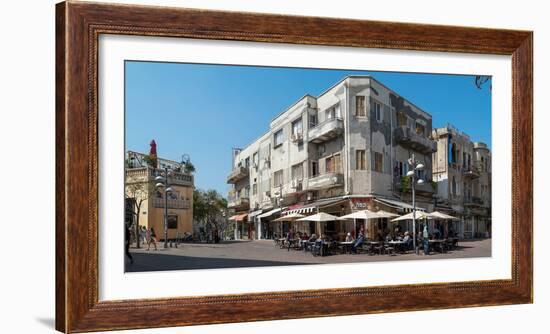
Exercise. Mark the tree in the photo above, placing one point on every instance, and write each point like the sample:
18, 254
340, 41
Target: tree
209, 210
480, 80
138, 192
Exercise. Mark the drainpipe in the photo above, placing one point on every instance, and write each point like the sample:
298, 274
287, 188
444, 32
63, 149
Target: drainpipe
347, 141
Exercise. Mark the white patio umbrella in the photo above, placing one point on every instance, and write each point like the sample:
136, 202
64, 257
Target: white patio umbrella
443, 216
288, 218
363, 214
319, 217
409, 216
418, 215
386, 214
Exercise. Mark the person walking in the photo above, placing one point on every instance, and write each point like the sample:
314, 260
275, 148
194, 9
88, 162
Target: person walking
127, 243
426, 240
151, 238
359, 241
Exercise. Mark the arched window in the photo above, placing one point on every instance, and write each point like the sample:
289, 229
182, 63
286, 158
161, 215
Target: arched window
454, 153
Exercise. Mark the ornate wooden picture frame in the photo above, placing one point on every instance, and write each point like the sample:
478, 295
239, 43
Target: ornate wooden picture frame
78, 27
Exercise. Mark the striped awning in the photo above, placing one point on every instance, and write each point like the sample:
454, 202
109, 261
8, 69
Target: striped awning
312, 207
398, 205
239, 218
269, 213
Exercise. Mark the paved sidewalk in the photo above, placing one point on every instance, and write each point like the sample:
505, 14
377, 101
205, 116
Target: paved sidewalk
259, 253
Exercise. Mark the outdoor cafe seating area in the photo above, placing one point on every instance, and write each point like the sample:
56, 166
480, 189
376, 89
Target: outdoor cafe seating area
440, 239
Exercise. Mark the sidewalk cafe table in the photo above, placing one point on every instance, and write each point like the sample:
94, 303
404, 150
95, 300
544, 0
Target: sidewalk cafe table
398, 245
438, 243
346, 246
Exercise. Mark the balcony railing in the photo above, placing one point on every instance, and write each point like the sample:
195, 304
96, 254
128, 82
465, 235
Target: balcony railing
327, 130
237, 174
406, 137
473, 201
240, 203
327, 180
470, 172
172, 203
142, 174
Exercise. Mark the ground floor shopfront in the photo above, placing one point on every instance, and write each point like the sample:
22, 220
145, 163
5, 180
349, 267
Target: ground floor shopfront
471, 223
260, 224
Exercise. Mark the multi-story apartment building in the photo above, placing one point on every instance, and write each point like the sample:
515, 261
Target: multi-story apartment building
344, 150
140, 187
462, 170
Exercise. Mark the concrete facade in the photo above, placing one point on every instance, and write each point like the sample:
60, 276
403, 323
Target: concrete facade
352, 141
462, 170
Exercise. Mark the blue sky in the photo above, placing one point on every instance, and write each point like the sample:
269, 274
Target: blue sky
205, 110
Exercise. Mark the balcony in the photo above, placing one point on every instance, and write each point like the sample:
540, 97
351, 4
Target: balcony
172, 203
328, 180
473, 201
241, 203
425, 188
145, 173
409, 138
326, 130
237, 174
470, 172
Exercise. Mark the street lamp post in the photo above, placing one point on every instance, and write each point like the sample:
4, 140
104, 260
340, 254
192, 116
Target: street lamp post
163, 183
415, 166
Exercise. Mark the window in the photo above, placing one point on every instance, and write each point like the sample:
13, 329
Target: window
360, 106
420, 128
312, 120
402, 119
278, 178
297, 127
337, 163
255, 159
297, 171
453, 153
172, 221
255, 189
410, 123
278, 138
332, 112
247, 192
378, 162
453, 187
314, 169
401, 171
421, 174
377, 107
329, 165
360, 160
247, 162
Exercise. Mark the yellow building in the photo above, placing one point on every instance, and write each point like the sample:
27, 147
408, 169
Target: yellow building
141, 191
